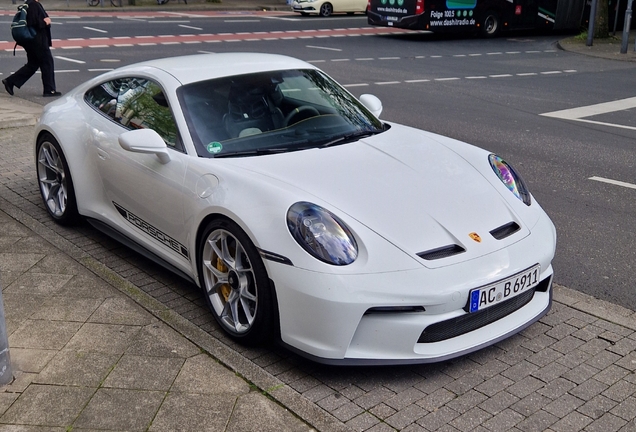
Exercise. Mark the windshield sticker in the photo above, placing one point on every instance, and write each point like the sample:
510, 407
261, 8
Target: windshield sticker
214, 147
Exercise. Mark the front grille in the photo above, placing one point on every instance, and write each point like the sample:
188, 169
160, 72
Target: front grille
505, 230
472, 321
442, 252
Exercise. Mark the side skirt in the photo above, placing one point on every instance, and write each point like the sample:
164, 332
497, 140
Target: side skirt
126, 241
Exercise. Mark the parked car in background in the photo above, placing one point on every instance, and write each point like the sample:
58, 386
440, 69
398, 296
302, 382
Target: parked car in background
327, 7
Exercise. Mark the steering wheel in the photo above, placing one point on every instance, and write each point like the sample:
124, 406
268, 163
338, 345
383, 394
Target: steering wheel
296, 111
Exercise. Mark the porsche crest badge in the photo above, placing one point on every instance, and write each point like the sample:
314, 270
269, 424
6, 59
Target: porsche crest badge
475, 236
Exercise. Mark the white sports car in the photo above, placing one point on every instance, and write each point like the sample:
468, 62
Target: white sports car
302, 216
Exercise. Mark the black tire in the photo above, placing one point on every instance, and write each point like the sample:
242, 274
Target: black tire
326, 9
93, 2
491, 24
304, 14
235, 283
55, 182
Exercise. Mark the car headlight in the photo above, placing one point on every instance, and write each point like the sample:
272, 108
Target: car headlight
321, 233
510, 178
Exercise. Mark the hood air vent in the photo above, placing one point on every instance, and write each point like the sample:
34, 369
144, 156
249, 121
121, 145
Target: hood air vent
505, 230
442, 252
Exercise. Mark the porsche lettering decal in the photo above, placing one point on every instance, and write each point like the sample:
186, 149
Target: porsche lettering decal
153, 232
475, 236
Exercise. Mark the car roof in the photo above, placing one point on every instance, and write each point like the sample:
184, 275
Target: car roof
199, 67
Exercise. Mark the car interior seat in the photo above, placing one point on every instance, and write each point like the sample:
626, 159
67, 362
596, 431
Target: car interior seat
253, 110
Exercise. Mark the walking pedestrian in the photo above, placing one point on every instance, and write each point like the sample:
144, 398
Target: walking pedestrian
38, 53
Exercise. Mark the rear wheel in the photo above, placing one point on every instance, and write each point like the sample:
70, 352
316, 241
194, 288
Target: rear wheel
326, 9
54, 179
491, 24
235, 281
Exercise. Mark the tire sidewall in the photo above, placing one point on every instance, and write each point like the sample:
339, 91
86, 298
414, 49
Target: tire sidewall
70, 215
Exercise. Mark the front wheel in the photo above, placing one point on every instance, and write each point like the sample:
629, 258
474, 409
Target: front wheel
235, 281
491, 24
326, 9
54, 179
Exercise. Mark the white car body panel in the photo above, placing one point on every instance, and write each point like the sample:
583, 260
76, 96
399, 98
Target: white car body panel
407, 191
339, 6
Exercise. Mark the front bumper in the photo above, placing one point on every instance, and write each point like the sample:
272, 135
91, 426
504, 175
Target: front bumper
324, 316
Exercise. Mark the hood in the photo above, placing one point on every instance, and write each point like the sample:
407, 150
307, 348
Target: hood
406, 186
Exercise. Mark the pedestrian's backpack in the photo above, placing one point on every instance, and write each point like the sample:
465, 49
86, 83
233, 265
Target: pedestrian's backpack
20, 31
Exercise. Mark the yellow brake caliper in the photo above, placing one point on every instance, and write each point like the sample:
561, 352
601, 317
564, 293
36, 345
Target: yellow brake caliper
225, 288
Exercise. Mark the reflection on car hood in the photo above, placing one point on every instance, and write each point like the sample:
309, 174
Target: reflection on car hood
403, 184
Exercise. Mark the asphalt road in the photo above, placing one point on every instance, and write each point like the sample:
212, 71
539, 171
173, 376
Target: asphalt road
492, 93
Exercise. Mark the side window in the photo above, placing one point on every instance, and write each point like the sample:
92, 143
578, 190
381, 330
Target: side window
136, 103
104, 97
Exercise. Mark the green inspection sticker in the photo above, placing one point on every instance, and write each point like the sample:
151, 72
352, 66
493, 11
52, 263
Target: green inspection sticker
214, 147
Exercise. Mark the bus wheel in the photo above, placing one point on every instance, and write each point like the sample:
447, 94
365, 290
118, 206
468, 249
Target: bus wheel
491, 24
326, 9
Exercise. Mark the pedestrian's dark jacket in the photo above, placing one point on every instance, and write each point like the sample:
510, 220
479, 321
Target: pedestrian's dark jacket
35, 19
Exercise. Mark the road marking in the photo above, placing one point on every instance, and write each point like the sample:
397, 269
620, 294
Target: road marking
579, 114
323, 48
70, 59
97, 30
614, 182
190, 27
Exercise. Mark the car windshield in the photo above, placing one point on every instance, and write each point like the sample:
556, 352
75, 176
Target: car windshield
272, 112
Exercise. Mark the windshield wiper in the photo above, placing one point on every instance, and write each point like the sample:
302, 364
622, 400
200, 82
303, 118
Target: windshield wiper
253, 152
355, 136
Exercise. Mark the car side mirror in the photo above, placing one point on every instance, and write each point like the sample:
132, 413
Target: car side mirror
372, 103
145, 141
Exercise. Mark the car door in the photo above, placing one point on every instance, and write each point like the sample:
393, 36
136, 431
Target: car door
144, 195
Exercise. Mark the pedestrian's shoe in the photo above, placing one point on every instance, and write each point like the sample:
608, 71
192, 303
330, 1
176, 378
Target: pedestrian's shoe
52, 94
8, 86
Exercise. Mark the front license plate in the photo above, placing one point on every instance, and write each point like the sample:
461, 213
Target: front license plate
484, 297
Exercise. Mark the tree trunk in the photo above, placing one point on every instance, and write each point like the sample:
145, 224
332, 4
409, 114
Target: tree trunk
601, 21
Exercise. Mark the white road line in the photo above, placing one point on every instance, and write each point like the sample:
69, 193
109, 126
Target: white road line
101, 70
323, 48
417, 80
356, 85
388, 82
241, 20
70, 59
579, 114
477, 77
446, 79
97, 30
190, 27
500, 76
614, 182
